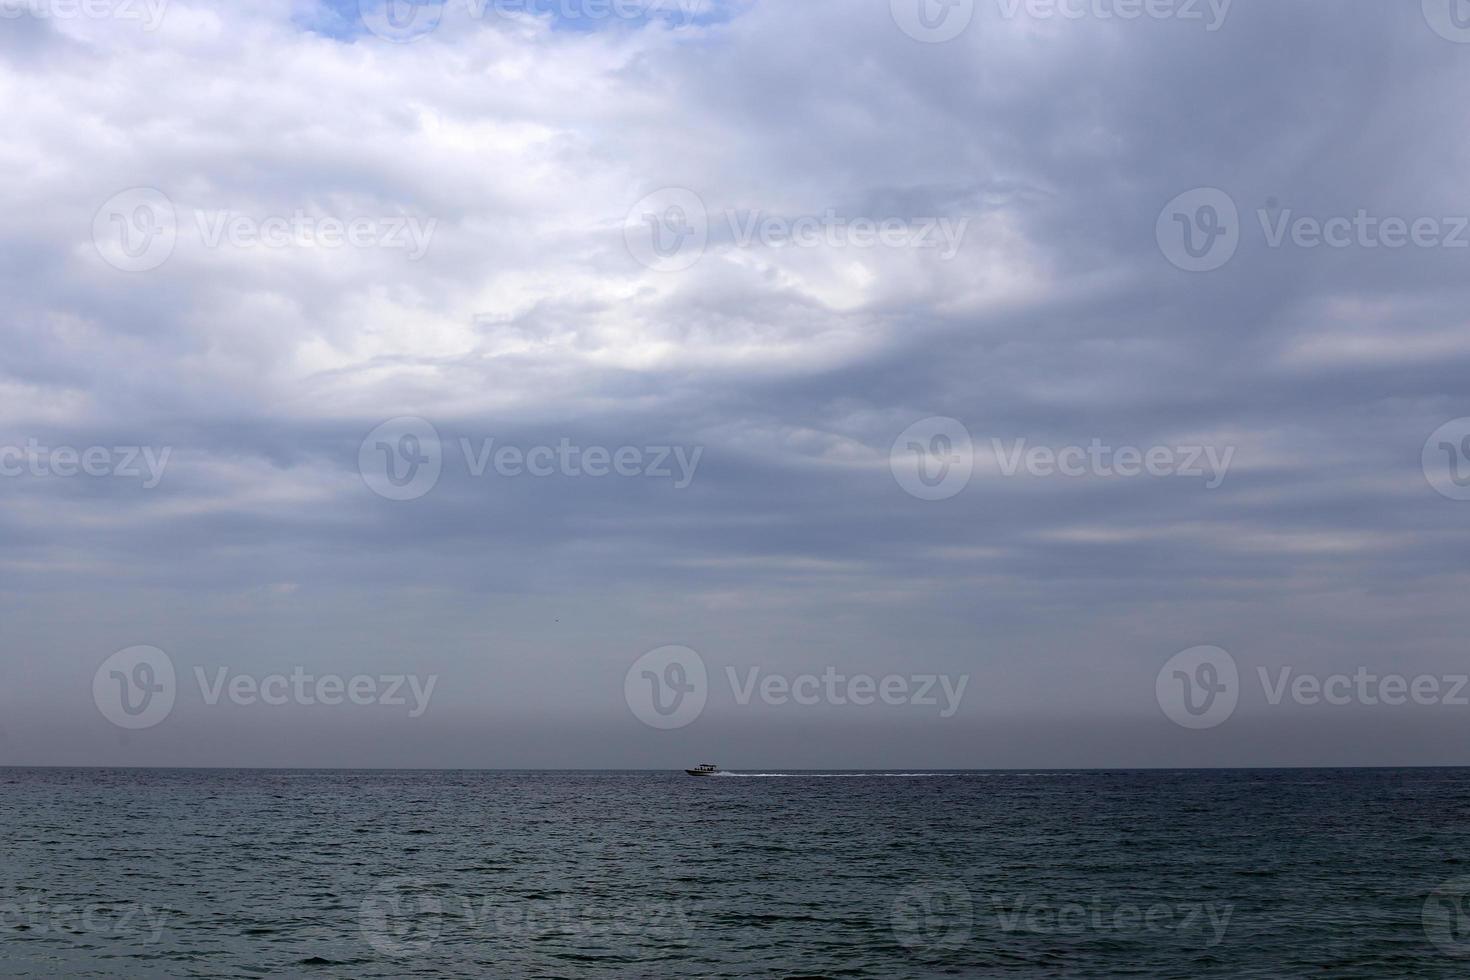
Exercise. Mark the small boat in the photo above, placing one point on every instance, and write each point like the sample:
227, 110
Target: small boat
708, 769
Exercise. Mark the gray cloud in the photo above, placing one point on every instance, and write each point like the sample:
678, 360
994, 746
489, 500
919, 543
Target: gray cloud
1059, 321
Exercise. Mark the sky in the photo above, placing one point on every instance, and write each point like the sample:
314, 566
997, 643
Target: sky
584, 384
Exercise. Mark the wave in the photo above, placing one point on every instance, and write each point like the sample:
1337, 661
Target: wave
837, 775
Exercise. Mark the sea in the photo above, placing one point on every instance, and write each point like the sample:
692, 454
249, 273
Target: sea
291, 873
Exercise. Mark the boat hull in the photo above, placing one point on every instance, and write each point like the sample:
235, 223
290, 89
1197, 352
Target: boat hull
701, 772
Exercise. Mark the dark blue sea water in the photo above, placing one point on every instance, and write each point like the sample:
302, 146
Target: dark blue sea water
214, 873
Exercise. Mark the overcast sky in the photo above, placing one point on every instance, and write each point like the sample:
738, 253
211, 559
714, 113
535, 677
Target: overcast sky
828, 271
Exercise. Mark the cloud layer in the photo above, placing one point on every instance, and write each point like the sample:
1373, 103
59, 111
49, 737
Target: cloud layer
524, 153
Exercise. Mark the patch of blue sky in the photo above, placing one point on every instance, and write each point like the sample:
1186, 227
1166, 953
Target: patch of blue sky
410, 19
